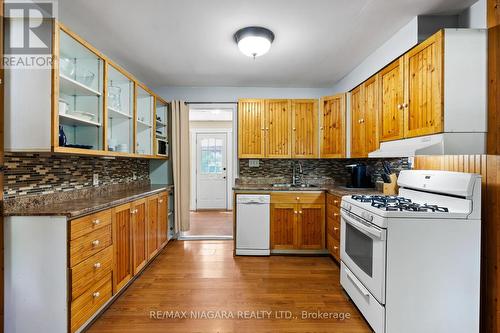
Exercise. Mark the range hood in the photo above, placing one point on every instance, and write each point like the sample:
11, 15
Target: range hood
437, 144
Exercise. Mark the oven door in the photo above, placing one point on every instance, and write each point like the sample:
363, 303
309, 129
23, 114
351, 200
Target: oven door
363, 250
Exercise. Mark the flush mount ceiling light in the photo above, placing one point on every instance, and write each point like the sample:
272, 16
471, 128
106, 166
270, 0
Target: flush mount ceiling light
254, 41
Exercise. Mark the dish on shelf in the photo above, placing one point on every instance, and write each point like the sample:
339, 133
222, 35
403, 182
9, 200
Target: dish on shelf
63, 106
82, 115
85, 77
79, 146
67, 66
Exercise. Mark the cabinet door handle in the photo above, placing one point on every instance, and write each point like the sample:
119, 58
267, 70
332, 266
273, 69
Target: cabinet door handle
335, 247
335, 202
96, 242
335, 214
405, 105
335, 229
295, 212
300, 212
161, 201
96, 222
298, 198
400, 106
97, 265
96, 294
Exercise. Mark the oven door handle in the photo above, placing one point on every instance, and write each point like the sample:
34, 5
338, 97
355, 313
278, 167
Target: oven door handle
358, 285
362, 226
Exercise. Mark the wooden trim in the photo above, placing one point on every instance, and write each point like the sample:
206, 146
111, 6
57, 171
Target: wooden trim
55, 86
153, 124
493, 135
87, 152
105, 107
493, 13
134, 148
80, 40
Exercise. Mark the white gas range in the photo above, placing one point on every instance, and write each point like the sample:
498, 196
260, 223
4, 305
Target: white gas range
411, 263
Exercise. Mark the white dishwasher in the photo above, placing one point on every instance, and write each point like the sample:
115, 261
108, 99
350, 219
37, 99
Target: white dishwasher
253, 225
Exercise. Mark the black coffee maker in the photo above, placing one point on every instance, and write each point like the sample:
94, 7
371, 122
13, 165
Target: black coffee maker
360, 176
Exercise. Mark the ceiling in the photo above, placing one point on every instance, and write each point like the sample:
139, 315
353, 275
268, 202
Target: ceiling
190, 42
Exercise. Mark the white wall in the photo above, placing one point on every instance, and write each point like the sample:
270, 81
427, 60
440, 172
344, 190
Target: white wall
475, 16
231, 94
402, 41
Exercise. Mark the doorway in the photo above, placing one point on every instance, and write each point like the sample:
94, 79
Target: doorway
211, 171
212, 149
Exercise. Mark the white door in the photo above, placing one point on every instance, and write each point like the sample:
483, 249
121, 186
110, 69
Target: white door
211, 177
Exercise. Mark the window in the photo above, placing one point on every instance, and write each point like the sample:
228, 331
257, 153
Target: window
211, 156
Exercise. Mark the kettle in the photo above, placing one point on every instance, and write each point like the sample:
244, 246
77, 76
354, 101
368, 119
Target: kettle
360, 178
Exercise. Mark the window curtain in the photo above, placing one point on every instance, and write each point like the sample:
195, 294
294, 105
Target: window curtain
180, 161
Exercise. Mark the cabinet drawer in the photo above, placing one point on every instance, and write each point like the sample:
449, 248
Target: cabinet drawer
89, 302
333, 246
90, 271
333, 200
333, 212
88, 245
333, 228
89, 223
298, 197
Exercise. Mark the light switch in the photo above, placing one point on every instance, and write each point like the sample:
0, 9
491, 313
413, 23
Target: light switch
253, 163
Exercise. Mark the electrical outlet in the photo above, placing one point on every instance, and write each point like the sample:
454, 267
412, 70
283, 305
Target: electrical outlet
95, 179
253, 163
134, 176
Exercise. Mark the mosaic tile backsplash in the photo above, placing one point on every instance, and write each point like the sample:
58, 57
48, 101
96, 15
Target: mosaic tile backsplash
315, 171
28, 174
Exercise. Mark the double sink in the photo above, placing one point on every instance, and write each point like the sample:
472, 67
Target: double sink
287, 185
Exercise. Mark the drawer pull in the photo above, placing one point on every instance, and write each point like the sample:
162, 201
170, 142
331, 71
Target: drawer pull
161, 201
96, 294
335, 214
96, 222
97, 265
335, 247
298, 198
335, 228
335, 201
96, 242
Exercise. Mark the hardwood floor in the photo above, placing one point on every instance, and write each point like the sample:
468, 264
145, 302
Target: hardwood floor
203, 276
210, 223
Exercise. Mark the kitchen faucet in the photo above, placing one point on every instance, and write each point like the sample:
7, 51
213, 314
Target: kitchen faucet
300, 176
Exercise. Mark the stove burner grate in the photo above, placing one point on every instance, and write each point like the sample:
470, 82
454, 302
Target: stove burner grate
395, 203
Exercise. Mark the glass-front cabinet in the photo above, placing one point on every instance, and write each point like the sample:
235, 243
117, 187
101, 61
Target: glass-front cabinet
80, 99
144, 121
161, 128
120, 111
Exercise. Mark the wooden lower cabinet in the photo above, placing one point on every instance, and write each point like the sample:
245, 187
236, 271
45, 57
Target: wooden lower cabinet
162, 219
122, 243
139, 235
297, 221
152, 204
333, 225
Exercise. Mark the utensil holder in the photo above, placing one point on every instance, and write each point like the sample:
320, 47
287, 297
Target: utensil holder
391, 188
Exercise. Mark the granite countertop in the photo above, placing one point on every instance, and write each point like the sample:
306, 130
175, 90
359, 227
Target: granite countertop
330, 188
84, 206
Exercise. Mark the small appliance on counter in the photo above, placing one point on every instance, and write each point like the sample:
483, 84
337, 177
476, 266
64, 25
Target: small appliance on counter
360, 177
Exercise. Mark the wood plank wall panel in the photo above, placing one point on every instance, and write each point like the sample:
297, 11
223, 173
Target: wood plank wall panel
251, 128
278, 129
494, 90
489, 167
305, 128
493, 8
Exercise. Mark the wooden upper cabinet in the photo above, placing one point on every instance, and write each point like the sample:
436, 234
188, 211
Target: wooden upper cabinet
251, 128
357, 122
122, 246
424, 77
139, 235
391, 100
305, 128
371, 105
493, 10
332, 126
278, 128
